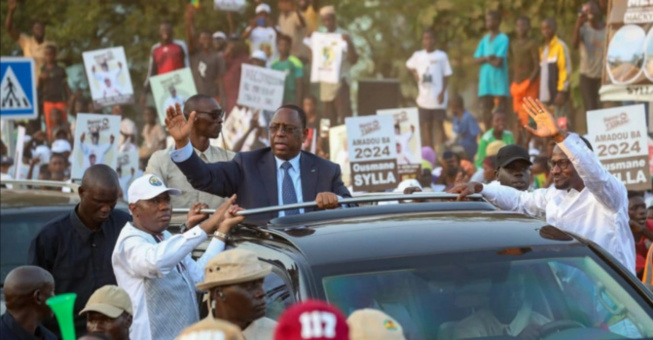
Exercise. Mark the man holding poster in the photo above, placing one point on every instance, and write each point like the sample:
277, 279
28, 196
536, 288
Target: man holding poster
94, 142
372, 153
333, 53
108, 77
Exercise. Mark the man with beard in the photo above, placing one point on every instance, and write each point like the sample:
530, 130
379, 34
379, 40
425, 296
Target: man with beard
514, 167
585, 199
209, 116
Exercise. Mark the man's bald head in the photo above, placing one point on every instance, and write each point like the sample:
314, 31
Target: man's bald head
28, 287
100, 175
98, 195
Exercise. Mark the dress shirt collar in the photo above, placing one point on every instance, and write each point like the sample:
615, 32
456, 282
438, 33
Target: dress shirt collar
293, 161
80, 227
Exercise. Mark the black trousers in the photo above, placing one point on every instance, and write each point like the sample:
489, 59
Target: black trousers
589, 89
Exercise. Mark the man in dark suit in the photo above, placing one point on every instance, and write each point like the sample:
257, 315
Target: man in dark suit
280, 174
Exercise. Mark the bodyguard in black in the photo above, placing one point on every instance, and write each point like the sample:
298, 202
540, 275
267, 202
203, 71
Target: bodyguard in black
76, 249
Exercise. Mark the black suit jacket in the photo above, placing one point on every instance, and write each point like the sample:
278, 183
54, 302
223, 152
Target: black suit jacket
252, 176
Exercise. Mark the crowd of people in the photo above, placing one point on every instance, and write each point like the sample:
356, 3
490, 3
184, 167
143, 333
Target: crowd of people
134, 279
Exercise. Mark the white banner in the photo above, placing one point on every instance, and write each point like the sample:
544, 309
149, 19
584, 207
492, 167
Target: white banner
108, 77
372, 152
261, 88
327, 51
229, 5
95, 142
618, 136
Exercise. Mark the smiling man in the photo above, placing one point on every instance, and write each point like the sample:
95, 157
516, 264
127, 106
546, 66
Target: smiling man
76, 248
155, 268
280, 174
585, 198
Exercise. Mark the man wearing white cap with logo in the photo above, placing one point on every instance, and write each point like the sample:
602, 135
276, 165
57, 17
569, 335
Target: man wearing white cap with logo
156, 268
262, 33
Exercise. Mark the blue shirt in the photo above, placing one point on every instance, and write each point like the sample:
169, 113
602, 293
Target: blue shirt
296, 177
467, 129
493, 81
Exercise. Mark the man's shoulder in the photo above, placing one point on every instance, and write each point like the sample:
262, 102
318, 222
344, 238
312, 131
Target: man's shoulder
254, 154
312, 158
225, 154
56, 226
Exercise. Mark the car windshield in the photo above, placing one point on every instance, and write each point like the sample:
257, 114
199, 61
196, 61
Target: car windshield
16, 234
566, 291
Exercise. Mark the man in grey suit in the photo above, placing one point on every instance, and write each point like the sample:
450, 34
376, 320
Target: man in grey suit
280, 174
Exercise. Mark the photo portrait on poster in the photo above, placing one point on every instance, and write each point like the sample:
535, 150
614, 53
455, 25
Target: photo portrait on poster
339, 153
96, 142
108, 76
328, 49
408, 139
172, 88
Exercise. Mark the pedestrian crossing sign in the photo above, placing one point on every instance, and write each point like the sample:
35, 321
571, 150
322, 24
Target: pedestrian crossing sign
18, 88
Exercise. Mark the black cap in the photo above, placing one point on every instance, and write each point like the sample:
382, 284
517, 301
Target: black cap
7, 160
511, 153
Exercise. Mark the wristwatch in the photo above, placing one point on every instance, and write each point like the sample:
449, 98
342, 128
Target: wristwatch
218, 234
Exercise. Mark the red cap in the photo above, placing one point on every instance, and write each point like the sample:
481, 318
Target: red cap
312, 320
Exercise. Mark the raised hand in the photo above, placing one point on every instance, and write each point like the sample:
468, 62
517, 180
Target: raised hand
177, 125
546, 124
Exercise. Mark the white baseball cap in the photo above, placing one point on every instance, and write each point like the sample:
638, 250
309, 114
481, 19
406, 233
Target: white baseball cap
260, 55
61, 146
147, 187
262, 8
219, 35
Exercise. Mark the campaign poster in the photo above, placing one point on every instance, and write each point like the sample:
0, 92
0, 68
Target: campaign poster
237, 126
171, 88
618, 136
261, 88
327, 49
338, 151
127, 168
108, 76
372, 153
96, 142
408, 139
628, 73
229, 5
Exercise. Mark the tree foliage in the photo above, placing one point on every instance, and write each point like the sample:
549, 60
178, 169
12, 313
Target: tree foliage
386, 32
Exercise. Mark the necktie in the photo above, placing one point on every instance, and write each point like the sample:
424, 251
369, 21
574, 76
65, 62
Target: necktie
288, 194
204, 158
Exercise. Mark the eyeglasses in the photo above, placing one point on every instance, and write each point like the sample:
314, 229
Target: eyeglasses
291, 130
217, 114
563, 164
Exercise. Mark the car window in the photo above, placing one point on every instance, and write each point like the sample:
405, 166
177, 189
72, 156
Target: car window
594, 303
497, 294
277, 293
16, 234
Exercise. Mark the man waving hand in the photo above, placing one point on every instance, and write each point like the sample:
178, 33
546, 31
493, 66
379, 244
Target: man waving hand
280, 174
585, 198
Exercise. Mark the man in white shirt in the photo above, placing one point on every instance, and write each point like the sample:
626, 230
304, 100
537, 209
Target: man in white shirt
431, 70
585, 198
155, 268
173, 99
261, 33
96, 149
509, 313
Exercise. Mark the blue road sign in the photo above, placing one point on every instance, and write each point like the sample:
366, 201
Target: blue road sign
18, 88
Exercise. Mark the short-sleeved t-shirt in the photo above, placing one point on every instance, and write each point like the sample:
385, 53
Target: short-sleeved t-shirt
206, 67
264, 39
291, 26
493, 81
591, 51
52, 88
432, 68
169, 57
294, 69
31, 48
